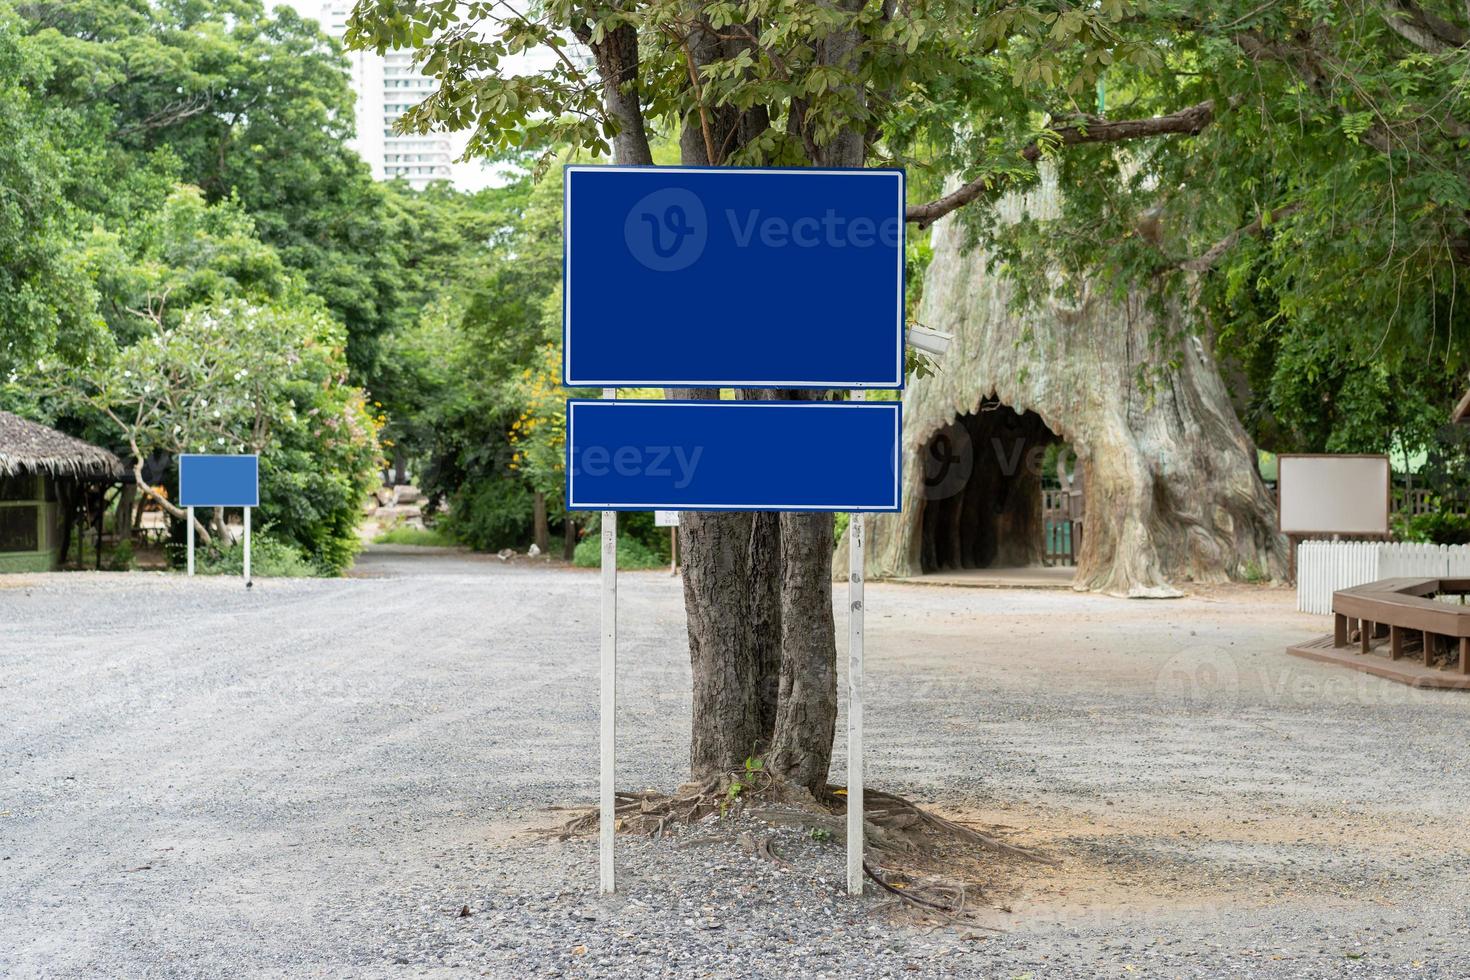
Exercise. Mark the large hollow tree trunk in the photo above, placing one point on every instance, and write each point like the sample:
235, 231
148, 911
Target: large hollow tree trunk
1171, 490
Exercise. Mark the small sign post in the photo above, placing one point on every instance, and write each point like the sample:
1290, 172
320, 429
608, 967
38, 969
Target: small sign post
219, 481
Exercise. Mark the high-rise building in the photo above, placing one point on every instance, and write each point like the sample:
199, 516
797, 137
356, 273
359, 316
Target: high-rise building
417, 159
387, 86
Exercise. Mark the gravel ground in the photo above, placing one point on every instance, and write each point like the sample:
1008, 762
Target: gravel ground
317, 778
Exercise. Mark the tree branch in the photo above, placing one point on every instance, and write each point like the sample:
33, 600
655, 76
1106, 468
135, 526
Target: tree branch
1422, 28
617, 63
1184, 122
1211, 255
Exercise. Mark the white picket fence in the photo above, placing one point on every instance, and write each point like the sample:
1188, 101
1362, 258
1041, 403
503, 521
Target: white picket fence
1323, 567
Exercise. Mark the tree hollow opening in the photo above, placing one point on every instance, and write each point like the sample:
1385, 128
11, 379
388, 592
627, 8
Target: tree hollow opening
983, 490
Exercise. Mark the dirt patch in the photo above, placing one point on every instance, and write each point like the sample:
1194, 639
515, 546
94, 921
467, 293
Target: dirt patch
1120, 863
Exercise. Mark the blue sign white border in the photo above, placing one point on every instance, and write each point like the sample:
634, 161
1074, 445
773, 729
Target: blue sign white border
897, 407
253, 456
895, 383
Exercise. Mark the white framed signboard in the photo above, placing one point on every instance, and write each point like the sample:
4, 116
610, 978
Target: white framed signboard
1333, 494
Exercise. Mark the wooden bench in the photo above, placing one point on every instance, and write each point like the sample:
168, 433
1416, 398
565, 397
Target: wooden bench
1399, 608
1403, 611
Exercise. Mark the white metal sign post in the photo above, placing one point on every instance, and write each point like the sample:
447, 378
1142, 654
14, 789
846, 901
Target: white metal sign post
248, 583
189, 521
855, 699
607, 818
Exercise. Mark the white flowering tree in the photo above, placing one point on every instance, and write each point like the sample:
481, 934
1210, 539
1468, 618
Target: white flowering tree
221, 380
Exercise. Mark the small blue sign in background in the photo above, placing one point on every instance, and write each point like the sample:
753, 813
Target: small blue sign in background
733, 277
733, 455
219, 481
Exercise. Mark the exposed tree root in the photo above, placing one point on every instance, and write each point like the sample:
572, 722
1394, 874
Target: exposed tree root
931, 864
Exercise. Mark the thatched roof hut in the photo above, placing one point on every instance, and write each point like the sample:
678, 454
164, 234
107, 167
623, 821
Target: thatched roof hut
29, 447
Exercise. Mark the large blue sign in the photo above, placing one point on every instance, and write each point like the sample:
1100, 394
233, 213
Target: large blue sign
219, 481
733, 455
731, 277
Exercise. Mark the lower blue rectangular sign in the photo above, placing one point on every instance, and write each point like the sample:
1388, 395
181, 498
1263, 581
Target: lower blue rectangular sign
206, 480
733, 455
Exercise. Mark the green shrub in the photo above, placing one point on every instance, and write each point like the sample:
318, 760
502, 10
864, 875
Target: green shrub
632, 553
270, 557
428, 537
636, 525
121, 559
1436, 528
489, 515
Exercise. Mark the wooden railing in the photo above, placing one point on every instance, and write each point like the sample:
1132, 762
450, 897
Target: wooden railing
1061, 513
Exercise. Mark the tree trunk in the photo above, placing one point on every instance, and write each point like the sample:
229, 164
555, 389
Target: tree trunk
763, 586
568, 538
731, 559
726, 725
1170, 487
726, 720
122, 517
806, 717
731, 597
66, 498
541, 531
